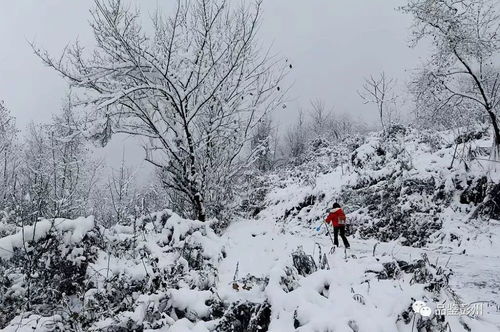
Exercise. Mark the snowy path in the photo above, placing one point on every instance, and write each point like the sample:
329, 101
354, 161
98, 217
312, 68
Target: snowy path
258, 247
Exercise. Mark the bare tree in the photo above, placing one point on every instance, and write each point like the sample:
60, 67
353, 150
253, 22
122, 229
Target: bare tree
326, 124
73, 170
122, 191
320, 126
262, 144
197, 87
466, 39
55, 172
35, 178
297, 137
8, 154
379, 90
322, 121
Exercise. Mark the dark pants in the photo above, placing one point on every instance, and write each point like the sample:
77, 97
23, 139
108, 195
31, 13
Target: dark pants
336, 231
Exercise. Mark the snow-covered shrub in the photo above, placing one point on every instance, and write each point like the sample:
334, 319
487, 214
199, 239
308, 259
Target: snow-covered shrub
489, 206
44, 266
246, 317
475, 191
254, 186
8, 221
251, 282
304, 206
288, 280
435, 278
172, 260
471, 135
146, 275
304, 263
422, 271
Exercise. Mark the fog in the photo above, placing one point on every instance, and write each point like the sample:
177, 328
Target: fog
332, 45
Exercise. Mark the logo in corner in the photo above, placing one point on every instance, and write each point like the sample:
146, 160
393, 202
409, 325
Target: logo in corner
420, 307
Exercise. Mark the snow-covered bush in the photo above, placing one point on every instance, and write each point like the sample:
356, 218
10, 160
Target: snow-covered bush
44, 267
304, 263
95, 278
253, 190
170, 261
8, 219
246, 317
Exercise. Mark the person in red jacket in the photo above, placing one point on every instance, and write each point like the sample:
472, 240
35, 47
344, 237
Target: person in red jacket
337, 218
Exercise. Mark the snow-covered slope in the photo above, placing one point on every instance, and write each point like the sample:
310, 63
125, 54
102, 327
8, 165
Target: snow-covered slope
177, 275
419, 188
370, 288
422, 230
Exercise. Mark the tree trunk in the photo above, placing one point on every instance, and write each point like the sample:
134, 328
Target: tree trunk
198, 201
381, 114
199, 206
5, 178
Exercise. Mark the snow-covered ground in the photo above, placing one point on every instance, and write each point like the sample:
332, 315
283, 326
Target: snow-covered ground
263, 248
275, 271
252, 263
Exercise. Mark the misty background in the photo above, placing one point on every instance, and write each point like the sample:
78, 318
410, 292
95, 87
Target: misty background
332, 44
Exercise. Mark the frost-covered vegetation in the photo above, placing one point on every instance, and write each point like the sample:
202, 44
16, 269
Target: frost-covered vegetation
228, 233
176, 274
403, 184
164, 272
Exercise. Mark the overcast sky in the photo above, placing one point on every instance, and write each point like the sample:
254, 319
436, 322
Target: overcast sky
333, 45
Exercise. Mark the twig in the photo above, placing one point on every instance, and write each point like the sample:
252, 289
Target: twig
236, 271
374, 248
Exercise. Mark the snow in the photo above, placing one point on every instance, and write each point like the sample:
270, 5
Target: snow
341, 298
251, 261
191, 300
74, 231
263, 247
34, 323
185, 325
269, 251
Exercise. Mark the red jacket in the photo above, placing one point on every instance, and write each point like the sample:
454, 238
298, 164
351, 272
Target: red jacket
336, 217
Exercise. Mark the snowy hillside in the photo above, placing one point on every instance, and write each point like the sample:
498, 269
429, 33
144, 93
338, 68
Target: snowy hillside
275, 272
255, 277
419, 188
189, 173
